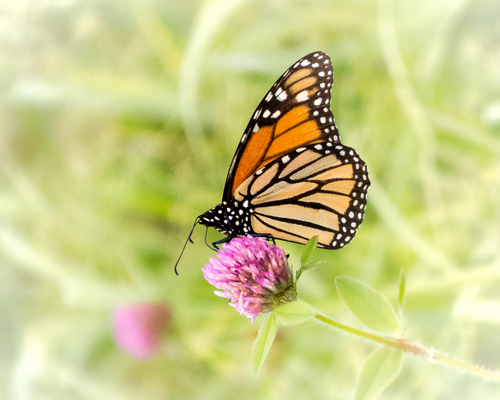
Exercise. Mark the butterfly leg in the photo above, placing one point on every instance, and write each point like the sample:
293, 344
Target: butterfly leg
222, 241
266, 236
227, 239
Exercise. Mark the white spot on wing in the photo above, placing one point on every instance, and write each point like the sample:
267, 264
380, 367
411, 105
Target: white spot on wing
302, 96
282, 96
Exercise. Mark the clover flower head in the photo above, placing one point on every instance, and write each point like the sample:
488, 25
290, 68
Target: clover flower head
253, 274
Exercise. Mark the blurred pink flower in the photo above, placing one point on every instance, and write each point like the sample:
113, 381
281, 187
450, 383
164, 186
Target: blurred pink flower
253, 274
138, 328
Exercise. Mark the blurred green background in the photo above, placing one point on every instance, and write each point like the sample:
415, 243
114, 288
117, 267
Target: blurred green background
119, 121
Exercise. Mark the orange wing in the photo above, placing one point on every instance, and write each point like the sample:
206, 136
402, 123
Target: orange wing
294, 113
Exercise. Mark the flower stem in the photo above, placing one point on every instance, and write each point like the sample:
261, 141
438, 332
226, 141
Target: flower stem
408, 346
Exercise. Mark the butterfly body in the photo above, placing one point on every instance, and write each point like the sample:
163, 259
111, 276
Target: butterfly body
231, 219
290, 177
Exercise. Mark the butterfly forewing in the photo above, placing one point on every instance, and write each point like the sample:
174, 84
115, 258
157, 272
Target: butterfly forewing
295, 112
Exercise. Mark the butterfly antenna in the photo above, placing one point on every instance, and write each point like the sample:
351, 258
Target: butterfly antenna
196, 222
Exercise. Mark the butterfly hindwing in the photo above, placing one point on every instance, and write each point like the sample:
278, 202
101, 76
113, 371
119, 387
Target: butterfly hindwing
319, 190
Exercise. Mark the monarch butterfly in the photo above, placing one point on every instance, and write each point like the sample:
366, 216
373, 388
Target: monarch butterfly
291, 178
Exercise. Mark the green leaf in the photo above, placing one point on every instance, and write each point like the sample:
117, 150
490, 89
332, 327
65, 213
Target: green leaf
306, 261
263, 342
294, 313
402, 284
380, 368
308, 251
370, 307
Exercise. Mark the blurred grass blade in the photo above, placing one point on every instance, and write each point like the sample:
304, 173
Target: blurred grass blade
294, 313
402, 284
370, 307
380, 369
263, 342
